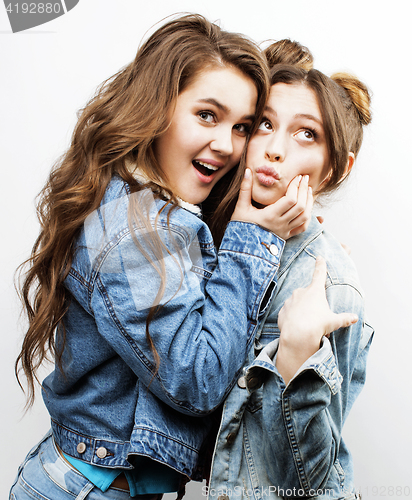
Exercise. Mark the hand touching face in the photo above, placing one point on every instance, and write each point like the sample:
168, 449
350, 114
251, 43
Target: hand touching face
290, 141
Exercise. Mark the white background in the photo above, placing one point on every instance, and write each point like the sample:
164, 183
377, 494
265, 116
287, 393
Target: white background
49, 72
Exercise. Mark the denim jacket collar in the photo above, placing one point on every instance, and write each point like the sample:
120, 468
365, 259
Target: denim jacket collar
297, 244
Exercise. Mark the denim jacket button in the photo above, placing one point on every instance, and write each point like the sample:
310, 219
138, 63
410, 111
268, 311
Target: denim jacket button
253, 383
230, 438
101, 452
273, 249
81, 448
242, 382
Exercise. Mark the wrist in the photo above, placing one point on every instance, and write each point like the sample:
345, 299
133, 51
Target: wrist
290, 358
296, 348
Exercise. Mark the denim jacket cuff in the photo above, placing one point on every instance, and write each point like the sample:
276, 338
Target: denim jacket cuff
322, 362
250, 238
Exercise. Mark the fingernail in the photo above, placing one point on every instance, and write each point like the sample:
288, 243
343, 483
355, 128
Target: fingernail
299, 178
247, 173
306, 178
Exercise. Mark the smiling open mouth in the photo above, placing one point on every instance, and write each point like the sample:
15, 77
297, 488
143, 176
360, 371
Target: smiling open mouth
204, 168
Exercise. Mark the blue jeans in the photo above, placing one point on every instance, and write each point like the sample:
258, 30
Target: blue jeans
46, 475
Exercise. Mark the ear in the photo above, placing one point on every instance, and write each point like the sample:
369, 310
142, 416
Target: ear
349, 165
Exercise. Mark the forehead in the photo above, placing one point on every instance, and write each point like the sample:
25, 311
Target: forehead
294, 99
227, 85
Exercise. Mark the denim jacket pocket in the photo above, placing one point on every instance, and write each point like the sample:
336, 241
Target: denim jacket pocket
34, 451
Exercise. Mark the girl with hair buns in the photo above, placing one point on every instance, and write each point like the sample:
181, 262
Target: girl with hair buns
288, 51
283, 51
147, 324
281, 429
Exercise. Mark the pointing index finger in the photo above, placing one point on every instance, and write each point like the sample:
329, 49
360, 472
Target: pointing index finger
319, 274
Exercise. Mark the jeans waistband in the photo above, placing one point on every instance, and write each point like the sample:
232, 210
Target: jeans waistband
46, 469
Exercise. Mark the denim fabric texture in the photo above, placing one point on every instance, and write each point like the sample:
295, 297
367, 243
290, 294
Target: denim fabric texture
278, 441
109, 402
44, 475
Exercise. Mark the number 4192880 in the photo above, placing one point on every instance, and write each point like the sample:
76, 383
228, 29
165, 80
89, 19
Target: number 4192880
34, 8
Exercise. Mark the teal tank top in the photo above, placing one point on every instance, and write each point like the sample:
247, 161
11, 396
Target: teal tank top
147, 477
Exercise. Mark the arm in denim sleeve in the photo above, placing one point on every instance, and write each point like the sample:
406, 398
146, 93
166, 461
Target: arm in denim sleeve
303, 421
204, 327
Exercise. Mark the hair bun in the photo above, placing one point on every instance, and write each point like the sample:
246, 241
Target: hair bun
290, 52
358, 94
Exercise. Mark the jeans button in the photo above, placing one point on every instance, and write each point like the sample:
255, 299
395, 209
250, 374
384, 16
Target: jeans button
101, 452
81, 448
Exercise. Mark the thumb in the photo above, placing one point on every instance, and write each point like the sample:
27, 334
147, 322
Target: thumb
245, 193
341, 320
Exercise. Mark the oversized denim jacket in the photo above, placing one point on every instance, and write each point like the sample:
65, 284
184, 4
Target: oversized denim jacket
279, 441
109, 402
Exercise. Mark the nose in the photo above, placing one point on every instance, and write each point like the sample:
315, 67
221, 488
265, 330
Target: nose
275, 148
222, 141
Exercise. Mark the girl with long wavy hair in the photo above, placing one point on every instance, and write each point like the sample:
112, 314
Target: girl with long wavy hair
148, 325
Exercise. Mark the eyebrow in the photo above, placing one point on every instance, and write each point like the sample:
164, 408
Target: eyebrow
222, 107
270, 110
298, 115
210, 100
309, 117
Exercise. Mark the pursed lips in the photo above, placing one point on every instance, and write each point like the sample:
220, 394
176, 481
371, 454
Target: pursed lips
267, 175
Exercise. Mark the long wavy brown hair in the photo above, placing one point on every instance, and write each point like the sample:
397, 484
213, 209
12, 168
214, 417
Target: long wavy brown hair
115, 129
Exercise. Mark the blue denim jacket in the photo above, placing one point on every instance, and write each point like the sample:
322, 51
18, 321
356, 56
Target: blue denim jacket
278, 441
109, 402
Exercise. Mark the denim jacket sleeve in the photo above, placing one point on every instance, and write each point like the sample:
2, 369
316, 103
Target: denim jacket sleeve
206, 318
304, 419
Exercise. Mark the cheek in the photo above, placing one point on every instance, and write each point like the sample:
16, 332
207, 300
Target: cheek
254, 151
164, 145
318, 174
182, 133
315, 166
238, 147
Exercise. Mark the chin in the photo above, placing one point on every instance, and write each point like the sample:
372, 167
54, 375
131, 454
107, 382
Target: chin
264, 199
196, 199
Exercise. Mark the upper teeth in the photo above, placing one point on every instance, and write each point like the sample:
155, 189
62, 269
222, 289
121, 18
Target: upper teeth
207, 165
